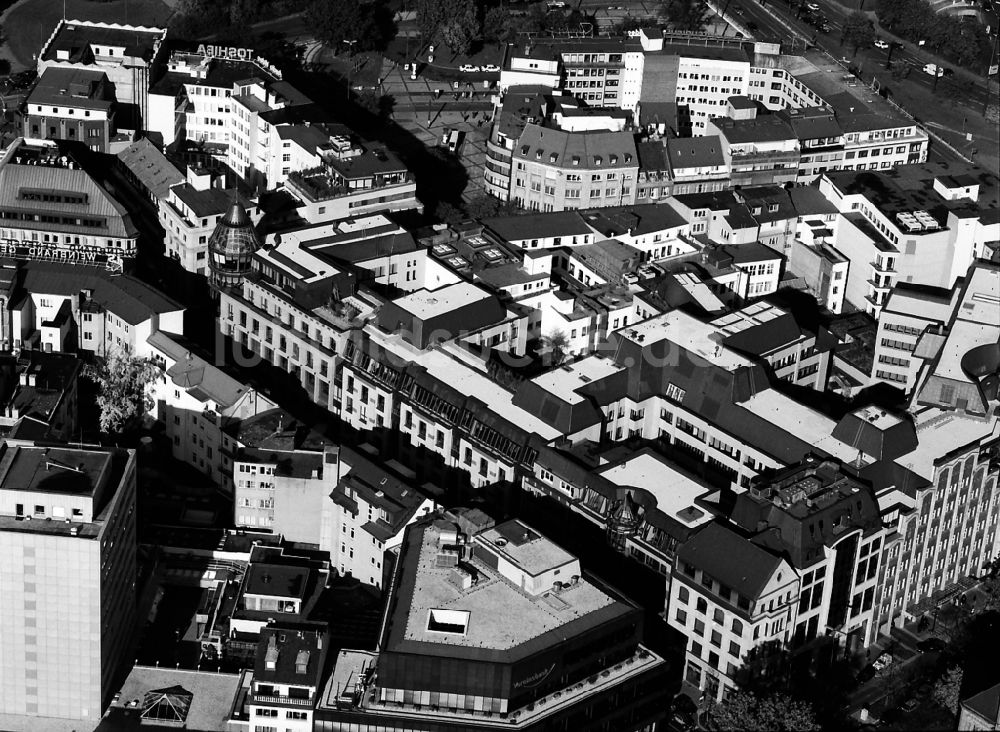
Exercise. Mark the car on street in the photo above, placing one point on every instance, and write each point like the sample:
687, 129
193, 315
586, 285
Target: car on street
909, 705
879, 43
812, 7
469, 68
491, 68
931, 645
883, 661
933, 70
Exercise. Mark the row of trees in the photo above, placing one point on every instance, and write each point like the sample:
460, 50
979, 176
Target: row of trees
961, 40
210, 18
369, 26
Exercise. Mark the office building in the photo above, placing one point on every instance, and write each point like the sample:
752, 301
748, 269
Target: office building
67, 593
73, 104
447, 657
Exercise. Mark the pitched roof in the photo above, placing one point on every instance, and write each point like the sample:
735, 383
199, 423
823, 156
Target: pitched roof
127, 297
767, 336
151, 167
695, 152
537, 226
730, 559
585, 150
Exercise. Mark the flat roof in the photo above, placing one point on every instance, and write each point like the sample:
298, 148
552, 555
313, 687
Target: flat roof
53, 470
947, 430
531, 551
500, 615
675, 493
212, 693
563, 382
689, 333
797, 419
428, 304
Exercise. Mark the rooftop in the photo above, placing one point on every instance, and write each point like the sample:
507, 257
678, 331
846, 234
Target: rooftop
689, 333
563, 382
212, 695
730, 559
675, 492
53, 470
197, 376
585, 150
151, 167
524, 617
77, 41
429, 304
71, 87
292, 654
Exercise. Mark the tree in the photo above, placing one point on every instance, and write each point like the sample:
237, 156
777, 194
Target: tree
461, 30
690, 15
433, 15
121, 382
557, 345
947, 689
484, 207
499, 26
859, 31
746, 712
347, 20
449, 213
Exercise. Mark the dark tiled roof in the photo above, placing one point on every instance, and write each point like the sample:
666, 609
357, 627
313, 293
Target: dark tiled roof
761, 339
695, 152
986, 704
730, 559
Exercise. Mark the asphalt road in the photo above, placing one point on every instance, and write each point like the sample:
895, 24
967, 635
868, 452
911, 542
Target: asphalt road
870, 60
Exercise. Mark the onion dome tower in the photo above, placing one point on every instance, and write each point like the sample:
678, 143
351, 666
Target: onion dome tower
231, 248
624, 520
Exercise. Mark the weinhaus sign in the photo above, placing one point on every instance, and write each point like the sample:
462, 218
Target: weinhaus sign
48, 253
228, 52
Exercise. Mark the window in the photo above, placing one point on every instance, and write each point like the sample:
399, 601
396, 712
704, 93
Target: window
681, 616
701, 605
683, 595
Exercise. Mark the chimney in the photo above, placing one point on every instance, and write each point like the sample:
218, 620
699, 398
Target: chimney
271, 656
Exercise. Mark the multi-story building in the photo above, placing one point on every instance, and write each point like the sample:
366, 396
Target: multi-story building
554, 170
353, 179
521, 105
72, 104
67, 592
52, 306
197, 403
901, 226
190, 212
821, 141
910, 313
758, 150
799, 560
126, 53
287, 677
877, 138
51, 208
981, 712
448, 658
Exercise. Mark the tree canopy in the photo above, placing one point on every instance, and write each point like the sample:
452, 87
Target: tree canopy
121, 388
337, 21
747, 712
859, 31
948, 689
961, 40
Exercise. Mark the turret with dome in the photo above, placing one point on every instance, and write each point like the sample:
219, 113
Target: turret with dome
231, 248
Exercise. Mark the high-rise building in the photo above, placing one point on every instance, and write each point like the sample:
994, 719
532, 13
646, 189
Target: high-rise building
67, 581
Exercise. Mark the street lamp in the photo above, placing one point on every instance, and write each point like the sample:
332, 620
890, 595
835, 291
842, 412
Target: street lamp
350, 64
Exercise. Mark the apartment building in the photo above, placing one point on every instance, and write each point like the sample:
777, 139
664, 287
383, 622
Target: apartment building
67, 593
466, 667
352, 179
52, 306
555, 170
521, 105
126, 53
72, 104
877, 137
197, 402
799, 560
51, 208
287, 677
39, 396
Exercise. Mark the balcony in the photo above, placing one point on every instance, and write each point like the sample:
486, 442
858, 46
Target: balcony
284, 700
319, 185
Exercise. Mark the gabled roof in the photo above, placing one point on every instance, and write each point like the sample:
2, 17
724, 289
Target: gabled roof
695, 152
151, 167
730, 559
768, 336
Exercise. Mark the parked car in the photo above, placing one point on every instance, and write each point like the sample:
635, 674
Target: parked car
910, 704
469, 68
883, 661
933, 70
879, 43
491, 68
931, 645
812, 7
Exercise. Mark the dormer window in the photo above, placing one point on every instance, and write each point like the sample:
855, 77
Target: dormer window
538, 154
524, 149
756, 210
628, 157
553, 157
613, 159
598, 160
576, 160
772, 207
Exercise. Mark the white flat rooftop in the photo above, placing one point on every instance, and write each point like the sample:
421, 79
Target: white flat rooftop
799, 421
945, 430
701, 293
690, 334
296, 262
427, 304
674, 492
748, 317
564, 381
